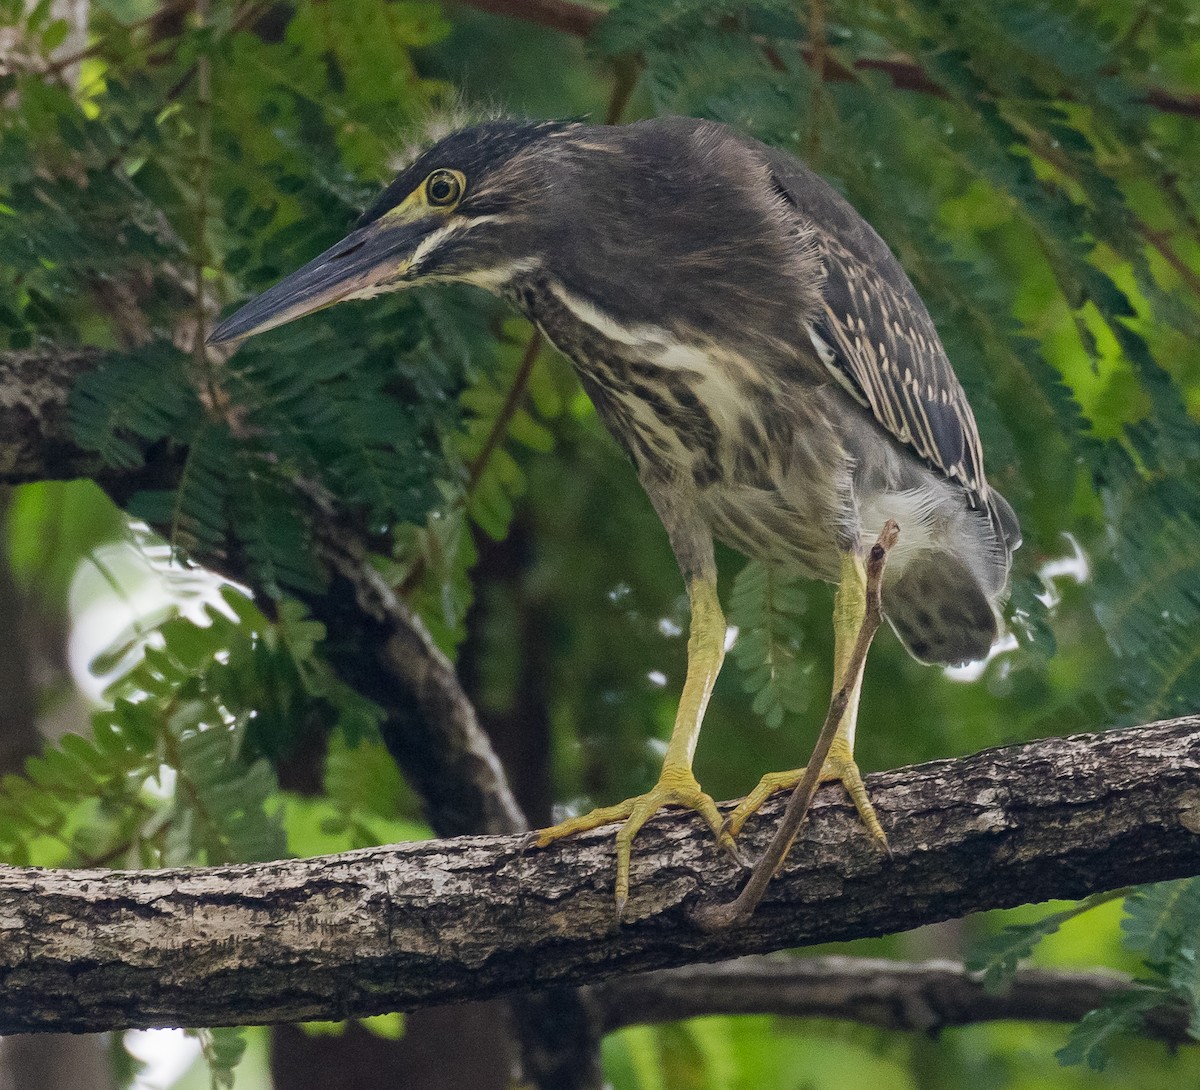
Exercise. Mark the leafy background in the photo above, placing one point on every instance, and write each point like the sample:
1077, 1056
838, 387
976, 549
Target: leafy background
1033, 164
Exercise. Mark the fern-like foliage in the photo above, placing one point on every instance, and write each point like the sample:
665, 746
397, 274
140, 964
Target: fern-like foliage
1092, 1038
1162, 920
335, 423
105, 249
507, 408
179, 767
1042, 205
768, 606
997, 956
1148, 600
1162, 924
135, 401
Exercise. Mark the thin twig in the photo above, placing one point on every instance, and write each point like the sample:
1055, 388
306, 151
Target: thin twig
628, 68
60, 64
712, 917
1161, 241
817, 59
203, 165
512, 402
491, 442
564, 15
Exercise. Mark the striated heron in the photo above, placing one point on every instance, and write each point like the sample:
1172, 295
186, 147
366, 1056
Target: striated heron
756, 350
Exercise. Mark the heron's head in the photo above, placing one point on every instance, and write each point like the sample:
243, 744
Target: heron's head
659, 218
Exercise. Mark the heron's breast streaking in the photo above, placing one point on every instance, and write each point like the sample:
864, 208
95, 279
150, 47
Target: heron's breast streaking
748, 441
678, 407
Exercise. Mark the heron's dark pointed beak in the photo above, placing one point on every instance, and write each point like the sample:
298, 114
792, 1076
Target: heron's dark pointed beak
373, 259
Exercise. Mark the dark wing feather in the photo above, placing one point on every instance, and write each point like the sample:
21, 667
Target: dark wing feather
877, 337
884, 341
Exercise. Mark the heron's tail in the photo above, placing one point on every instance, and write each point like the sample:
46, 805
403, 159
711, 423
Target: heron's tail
939, 610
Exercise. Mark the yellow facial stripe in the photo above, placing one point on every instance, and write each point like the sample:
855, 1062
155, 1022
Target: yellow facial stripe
417, 204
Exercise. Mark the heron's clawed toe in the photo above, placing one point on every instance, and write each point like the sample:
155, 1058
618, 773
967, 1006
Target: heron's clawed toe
839, 766
676, 787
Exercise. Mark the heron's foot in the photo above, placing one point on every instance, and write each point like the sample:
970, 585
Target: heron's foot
839, 765
675, 787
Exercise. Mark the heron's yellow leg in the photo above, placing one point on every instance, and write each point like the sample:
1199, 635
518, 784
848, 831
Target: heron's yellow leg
676, 785
849, 612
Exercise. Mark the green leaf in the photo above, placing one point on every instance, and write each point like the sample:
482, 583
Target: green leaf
769, 608
222, 1050
1159, 918
998, 956
1091, 1038
144, 396
1184, 980
388, 1026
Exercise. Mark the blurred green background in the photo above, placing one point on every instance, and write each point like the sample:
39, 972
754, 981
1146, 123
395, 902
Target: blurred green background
1035, 167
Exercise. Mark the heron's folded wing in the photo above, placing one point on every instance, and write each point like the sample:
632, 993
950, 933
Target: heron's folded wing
876, 337
882, 340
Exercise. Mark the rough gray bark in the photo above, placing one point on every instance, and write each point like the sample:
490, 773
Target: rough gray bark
445, 921
34, 388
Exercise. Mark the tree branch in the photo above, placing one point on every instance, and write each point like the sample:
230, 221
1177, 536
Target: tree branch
445, 921
35, 442
378, 645
563, 15
375, 643
923, 996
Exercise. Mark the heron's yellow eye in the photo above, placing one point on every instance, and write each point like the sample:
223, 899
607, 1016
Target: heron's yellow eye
443, 188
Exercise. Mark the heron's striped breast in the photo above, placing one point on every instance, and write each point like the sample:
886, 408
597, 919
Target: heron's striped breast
680, 408
768, 470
